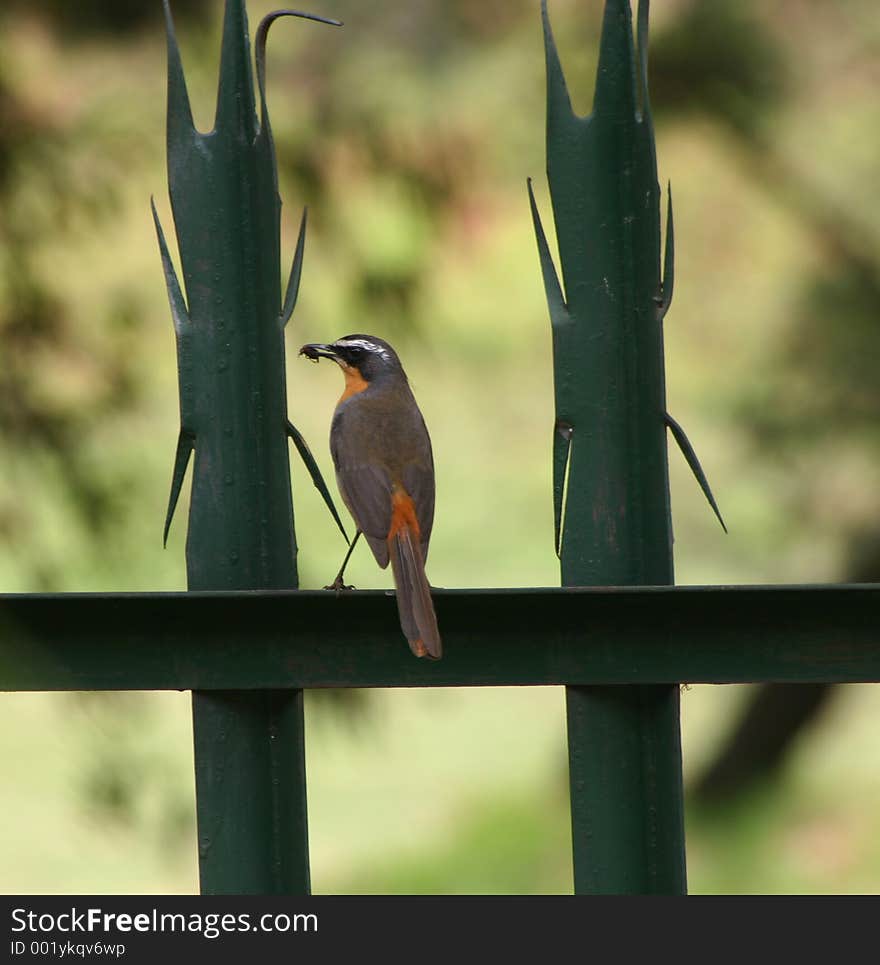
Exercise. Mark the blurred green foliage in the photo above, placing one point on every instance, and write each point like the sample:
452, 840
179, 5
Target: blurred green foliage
410, 134
113, 19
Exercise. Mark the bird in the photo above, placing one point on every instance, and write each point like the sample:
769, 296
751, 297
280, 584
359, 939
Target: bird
385, 473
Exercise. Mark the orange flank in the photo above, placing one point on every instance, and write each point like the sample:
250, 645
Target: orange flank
403, 514
418, 648
354, 382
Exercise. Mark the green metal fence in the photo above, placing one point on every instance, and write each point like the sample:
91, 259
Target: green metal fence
617, 635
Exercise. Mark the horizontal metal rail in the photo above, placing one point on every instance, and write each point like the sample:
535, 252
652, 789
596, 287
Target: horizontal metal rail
278, 640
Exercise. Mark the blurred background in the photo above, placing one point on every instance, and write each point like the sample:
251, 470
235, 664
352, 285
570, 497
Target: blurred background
410, 134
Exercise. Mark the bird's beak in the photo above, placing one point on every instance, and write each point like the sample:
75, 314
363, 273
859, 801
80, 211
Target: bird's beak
315, 351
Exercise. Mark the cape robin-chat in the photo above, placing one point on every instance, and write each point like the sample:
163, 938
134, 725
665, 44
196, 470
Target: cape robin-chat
385, 473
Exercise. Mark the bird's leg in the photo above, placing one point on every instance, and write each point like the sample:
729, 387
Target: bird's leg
337, 584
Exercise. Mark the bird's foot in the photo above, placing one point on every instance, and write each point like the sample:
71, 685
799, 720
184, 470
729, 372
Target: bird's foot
339, 586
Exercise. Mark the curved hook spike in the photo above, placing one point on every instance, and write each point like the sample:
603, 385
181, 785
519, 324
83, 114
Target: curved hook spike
262, 35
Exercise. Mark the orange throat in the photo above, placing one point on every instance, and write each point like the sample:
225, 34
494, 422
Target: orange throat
354, 381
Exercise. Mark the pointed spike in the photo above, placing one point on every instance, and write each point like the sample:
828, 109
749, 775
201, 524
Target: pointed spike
185, 444
687, 450
642, 35
292, 292
616, 92
552, 288
558, 99
180, 118
561, 458
236, 105
312, 466
179, 312
668, 258
260, 47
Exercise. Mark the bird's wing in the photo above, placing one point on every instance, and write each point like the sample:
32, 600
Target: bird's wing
366, 490
366, 472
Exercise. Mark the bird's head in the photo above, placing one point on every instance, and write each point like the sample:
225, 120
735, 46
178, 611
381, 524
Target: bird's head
362, 358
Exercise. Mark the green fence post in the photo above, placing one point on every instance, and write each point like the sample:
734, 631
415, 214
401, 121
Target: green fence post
611, 483
249, 754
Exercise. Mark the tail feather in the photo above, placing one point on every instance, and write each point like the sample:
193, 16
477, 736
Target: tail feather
417, 618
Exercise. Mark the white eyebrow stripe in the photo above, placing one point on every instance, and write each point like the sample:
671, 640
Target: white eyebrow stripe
364, 344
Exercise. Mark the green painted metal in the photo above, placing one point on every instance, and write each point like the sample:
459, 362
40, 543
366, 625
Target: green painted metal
248, 649
233, 407
262, 770
586, 636
625, 767
611, 478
